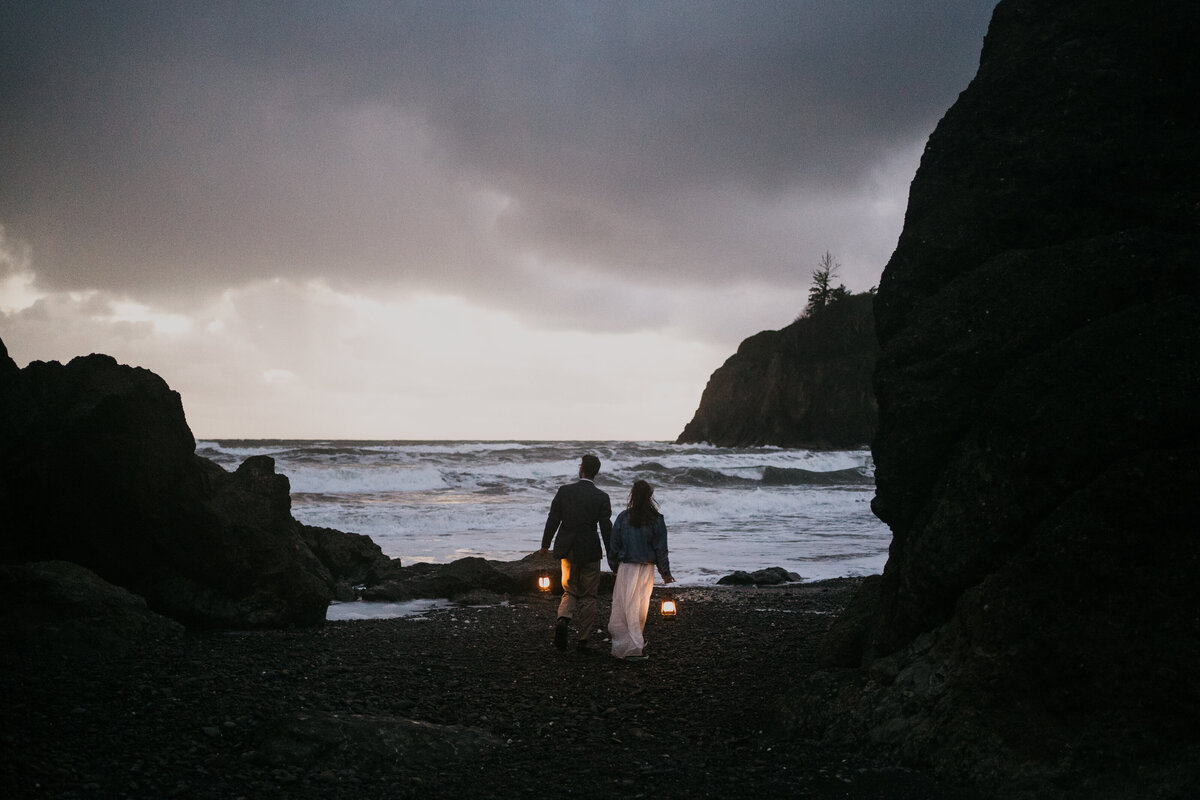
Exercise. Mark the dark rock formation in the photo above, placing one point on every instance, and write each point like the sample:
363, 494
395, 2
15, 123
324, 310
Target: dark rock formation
348, 560
788, 476
524, 573
9, 371
1039, 435
98, 467
771, 576
808, 385
441, 580
468, 577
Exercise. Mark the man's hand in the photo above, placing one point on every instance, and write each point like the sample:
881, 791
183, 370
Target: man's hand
668, 579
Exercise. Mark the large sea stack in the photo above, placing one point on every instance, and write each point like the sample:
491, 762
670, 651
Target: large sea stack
1036, 629
98, 468
808, 385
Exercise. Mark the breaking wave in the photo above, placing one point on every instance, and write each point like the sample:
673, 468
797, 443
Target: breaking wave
726, 508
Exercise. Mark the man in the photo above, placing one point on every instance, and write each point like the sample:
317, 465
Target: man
578, 511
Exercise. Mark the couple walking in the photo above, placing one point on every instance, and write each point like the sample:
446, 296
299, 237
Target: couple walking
580, 517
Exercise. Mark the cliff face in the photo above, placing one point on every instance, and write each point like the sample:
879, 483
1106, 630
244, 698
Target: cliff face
1039, 429
808, 385
1038, 318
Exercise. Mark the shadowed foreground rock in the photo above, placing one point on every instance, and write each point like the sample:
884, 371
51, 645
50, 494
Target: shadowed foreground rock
1036, 626
361, 740
54, 606
98, 467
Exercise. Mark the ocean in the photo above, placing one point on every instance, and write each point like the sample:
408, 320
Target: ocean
726, 509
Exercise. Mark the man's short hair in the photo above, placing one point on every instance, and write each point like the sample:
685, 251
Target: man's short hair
591, 465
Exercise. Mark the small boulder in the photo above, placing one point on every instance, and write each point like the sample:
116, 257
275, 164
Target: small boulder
467, 576
363, 742
441, 580
771, 576
351, 559
64, 606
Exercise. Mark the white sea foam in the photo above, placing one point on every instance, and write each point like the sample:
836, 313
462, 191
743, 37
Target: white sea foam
340, 479
438, 501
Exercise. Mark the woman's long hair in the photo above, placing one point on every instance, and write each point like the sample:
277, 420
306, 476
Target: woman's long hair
642, 508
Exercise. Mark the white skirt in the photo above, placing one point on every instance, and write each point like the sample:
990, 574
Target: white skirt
630, 604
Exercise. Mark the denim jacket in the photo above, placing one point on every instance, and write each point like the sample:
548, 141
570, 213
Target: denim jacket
639, 545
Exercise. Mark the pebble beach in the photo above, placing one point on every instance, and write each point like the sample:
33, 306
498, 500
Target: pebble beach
466, 701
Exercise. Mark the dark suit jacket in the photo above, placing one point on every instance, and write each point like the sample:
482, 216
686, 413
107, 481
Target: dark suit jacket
579, 509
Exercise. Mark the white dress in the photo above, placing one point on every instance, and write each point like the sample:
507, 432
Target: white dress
631, 603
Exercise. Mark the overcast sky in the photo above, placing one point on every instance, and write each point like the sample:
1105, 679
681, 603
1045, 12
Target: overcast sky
499, 220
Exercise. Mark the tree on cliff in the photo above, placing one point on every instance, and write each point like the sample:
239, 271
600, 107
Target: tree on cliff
823, 293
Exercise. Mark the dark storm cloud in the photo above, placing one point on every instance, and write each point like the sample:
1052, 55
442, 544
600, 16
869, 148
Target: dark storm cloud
184, 146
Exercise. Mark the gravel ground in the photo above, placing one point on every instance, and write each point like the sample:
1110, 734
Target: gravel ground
464, 702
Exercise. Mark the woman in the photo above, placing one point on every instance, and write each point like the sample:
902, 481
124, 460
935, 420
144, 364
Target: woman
638, 544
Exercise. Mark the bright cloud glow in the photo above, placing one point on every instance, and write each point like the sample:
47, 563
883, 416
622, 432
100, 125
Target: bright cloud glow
17, 290
283, 360
131, 311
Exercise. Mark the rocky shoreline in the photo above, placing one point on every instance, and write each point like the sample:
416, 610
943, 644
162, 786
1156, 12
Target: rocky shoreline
465, 701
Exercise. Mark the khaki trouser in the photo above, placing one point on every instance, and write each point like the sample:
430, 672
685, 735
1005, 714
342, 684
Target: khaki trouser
580, 582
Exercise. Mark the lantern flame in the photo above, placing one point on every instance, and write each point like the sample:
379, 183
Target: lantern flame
544, 583
668, 607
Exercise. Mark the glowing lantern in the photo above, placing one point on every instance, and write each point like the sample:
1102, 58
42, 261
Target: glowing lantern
668, 608
544, 582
